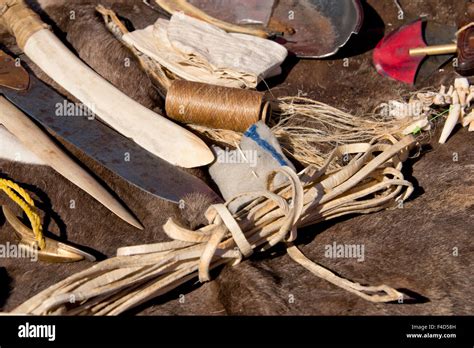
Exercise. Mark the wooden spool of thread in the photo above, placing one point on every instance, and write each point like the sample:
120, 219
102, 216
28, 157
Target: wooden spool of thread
215, 106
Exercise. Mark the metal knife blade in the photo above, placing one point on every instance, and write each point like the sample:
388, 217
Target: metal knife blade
105, 146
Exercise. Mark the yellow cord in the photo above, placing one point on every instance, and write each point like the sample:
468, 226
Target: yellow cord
23, 199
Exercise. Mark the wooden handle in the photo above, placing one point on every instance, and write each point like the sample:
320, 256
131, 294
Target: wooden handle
42, 146
433, 50
174, 6
20, 20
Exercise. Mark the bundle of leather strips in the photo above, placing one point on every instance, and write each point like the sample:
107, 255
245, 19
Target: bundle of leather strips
371, 181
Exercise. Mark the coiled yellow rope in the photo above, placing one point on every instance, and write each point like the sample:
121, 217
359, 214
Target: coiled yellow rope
23, 199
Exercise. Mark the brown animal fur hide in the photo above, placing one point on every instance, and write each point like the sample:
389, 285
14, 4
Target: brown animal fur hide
426, 247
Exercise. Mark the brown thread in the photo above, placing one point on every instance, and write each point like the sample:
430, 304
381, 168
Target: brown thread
215, 106
20, 20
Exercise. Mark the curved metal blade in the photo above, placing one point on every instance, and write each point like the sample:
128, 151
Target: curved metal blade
309, 28
104, 145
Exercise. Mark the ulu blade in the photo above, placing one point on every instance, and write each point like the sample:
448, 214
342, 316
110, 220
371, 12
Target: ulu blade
391, 56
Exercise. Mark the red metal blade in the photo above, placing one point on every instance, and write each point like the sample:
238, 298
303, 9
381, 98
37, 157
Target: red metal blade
391, 57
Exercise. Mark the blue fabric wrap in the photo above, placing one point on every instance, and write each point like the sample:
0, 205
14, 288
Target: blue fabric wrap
253, 134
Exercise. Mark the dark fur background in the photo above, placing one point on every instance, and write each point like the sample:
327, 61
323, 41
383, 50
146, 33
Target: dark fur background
410, 248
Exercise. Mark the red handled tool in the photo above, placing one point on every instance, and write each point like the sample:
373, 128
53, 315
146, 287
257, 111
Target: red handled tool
400, 54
